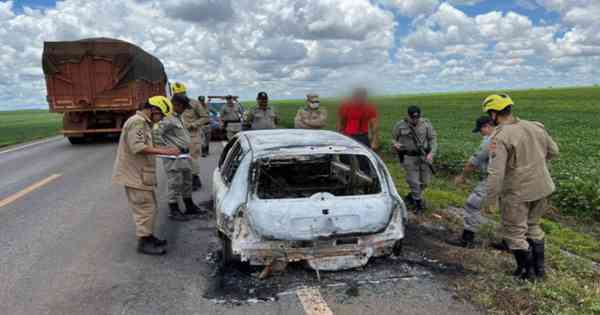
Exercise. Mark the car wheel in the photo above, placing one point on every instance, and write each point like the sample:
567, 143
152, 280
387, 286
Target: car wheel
77, 140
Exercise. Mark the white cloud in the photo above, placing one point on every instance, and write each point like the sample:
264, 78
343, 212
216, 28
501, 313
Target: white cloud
414, 7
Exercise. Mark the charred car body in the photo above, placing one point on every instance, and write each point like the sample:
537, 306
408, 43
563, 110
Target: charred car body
305, 195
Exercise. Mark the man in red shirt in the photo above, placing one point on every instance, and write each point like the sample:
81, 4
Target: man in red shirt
357, 119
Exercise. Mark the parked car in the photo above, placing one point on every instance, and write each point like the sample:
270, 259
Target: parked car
215, 104
305, 195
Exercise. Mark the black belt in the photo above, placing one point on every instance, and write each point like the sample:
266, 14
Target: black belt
410, 153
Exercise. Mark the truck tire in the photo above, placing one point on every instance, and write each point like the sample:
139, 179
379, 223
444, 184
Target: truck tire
76, 140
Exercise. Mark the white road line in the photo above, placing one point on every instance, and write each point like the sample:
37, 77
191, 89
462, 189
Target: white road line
25, 146
14, 197
313, 302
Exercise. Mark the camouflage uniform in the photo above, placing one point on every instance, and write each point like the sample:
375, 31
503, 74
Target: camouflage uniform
307, 118
195, 119
519, 176
171, 132
418, 173
473, 217
232, 119
137, 172
258, 118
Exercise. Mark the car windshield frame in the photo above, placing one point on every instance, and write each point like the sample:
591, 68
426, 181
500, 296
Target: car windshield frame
253, 177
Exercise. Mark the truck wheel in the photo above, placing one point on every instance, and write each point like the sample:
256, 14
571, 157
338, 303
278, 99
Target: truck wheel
76, 140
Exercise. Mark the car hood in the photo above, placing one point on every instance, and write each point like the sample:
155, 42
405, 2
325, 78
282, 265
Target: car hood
320, 216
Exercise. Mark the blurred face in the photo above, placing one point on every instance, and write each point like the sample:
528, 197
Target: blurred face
262, 102
360, 95
414, 118
486, 130
178, 107
313, 104
155, 114
229, 101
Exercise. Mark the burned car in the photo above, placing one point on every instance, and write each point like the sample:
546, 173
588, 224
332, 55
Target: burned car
305, 195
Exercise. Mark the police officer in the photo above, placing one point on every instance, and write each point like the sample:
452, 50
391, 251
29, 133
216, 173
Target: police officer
171, 131
136, 170
205, 129
261, 117
519, 177
231, 117
479, 161
415, 140
313, 116
195, 118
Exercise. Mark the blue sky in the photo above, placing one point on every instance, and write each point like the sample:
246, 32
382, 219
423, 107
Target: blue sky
293, 47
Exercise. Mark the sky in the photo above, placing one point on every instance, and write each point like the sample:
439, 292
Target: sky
293, 47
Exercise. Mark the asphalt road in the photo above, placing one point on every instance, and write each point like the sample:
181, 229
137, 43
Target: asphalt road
67, 246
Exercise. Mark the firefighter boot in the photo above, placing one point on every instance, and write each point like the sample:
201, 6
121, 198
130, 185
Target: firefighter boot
196, 183
146, 246
191, 209
409, 200
524, 260
537, 248
467, 240
176, 214
157, 241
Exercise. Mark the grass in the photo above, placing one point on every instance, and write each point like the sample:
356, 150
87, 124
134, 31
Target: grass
26, 125
570, 115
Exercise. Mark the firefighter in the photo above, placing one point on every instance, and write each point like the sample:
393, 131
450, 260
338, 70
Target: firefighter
520, 179
262, 116
195, 119
415, 141
136, 170
479, 161
231, 117
171, 131
313, 116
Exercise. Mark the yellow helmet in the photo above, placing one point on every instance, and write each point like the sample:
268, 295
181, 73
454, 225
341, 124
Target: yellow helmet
496, 102
162, 103
177, 88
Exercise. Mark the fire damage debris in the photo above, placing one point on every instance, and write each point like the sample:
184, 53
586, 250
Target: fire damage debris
240, 283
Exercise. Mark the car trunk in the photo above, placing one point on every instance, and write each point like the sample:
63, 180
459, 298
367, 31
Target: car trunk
307, 197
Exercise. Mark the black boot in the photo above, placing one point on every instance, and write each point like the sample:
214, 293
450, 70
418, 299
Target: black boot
157, 241
524, 261
196, 183
176, 214
467, 240
419, 206
501, 246
537, 249
409, 200
191, 209
146, 246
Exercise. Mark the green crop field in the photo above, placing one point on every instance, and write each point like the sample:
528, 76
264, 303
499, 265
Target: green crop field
571, 115
26, 125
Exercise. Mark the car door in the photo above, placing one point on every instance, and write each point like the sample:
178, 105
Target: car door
228, 197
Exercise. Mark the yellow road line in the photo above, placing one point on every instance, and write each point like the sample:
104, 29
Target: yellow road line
313, 302
12, 198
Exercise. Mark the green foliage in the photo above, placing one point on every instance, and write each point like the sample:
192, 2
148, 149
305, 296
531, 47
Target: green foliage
570, 115
26, 125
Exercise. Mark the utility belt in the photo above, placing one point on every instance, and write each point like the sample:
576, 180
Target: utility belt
403, 153
227, 122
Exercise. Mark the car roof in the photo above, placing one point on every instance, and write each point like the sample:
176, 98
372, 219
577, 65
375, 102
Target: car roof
262, 141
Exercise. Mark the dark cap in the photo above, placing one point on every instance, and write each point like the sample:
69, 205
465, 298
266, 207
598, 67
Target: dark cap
229, 97
201, 98
262, 96
482, 121
181, 99
414, 111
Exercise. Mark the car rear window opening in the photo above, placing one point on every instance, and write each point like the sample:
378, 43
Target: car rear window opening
302, 176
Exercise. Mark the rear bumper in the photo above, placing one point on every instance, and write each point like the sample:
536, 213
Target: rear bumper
336, 253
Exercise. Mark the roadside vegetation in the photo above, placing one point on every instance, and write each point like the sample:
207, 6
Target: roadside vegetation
27, 125
572, 226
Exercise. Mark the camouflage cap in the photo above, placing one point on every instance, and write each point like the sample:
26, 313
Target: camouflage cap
312, 97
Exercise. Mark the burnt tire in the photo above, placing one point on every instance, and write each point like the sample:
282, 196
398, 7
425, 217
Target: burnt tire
77, 140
